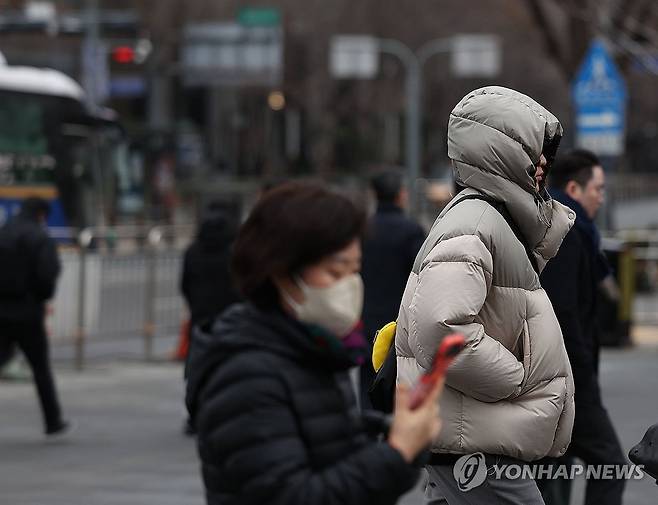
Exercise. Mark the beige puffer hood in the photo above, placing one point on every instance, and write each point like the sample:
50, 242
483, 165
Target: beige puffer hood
511, 391
495, 138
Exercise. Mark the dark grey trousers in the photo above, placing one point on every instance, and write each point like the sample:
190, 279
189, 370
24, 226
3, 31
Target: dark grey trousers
442, 487
595, 442
30, 337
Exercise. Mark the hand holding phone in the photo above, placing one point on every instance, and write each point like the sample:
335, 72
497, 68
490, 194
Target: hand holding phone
450, 347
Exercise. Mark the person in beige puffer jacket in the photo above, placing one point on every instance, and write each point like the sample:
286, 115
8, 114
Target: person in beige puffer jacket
509, 395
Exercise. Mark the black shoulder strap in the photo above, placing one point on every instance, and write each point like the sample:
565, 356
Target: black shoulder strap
502, 210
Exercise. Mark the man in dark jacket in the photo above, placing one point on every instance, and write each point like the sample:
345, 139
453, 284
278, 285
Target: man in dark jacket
28, 277
206, 282
572, 280
390, 247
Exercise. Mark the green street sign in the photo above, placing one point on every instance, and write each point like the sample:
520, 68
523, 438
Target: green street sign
259, 16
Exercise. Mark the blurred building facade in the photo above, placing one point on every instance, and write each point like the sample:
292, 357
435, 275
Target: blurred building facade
189, 127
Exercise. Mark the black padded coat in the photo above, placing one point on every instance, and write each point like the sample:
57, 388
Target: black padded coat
277, 421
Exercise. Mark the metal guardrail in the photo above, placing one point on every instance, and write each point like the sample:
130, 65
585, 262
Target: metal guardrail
638, 275
624, 187
121, 282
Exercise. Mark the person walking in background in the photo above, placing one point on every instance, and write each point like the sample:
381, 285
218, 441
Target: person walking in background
572, 280
28, 277
269, 389
509, 394
206, 282
391, 243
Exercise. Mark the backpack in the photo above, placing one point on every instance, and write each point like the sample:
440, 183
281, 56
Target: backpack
384, 359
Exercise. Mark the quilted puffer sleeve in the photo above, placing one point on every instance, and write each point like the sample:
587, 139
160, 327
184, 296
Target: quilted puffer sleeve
248, 427
453, 284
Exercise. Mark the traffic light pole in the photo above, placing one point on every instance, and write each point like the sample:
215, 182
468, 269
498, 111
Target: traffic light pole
91, 45
92, 37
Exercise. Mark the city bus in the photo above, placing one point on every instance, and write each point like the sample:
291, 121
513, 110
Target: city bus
53, 146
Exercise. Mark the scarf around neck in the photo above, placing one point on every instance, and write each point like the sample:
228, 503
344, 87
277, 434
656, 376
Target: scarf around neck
588, 229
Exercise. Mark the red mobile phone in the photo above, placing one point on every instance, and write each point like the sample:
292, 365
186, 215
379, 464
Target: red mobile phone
450, 347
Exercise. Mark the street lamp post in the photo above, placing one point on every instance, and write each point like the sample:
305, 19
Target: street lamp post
413, 63
474, 55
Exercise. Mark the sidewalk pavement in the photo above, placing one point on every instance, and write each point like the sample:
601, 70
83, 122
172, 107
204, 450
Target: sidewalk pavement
645, 335
129, 448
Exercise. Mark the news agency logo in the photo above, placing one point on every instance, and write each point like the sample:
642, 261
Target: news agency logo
470, 471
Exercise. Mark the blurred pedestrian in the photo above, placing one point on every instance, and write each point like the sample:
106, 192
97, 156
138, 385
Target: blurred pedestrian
7, 352
391, 243
206, 283
572, 280
510, 392
28, 277
269, 388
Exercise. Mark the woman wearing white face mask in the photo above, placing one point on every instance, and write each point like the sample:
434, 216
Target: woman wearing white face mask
268, 389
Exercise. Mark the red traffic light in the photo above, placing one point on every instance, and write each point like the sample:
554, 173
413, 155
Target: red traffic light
123, 54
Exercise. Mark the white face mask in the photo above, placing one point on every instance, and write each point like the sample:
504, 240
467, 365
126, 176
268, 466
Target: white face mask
336, 308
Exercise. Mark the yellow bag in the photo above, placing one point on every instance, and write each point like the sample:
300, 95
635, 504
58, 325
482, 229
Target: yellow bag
383, 341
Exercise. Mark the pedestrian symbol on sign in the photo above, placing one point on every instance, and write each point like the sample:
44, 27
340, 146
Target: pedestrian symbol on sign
599, 95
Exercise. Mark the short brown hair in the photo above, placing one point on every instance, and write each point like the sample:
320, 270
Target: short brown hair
291, 227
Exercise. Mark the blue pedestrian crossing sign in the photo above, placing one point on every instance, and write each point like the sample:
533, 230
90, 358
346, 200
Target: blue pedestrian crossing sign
599, 95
